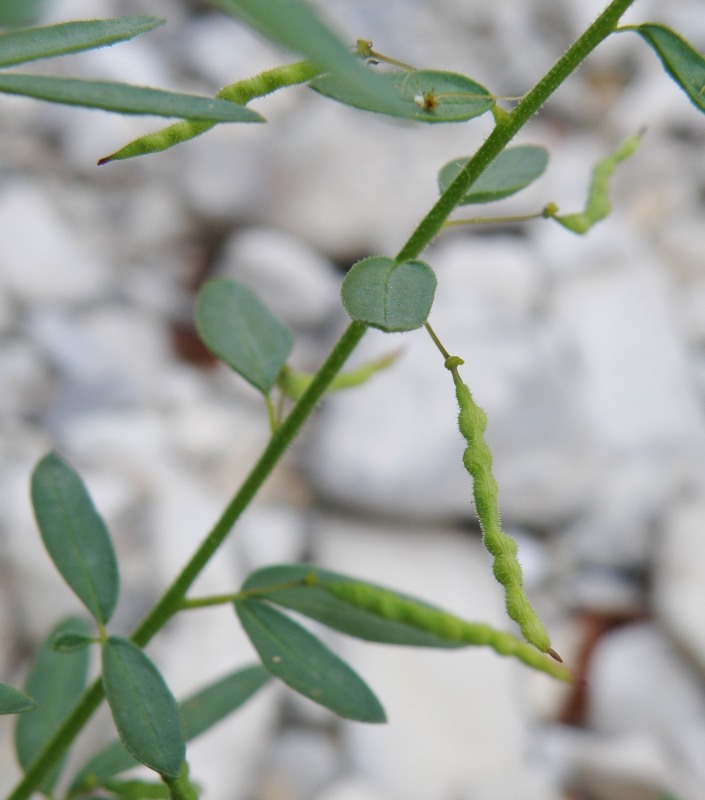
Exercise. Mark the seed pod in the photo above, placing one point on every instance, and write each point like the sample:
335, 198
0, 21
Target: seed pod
477, 459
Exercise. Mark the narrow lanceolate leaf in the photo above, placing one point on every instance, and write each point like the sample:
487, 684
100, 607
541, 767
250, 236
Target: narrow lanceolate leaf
679, 58
144, 710
513, 170
305, 664
199, 713
294, 25
56, 681
124, 98
598, 204
372, 612
75, 535
420, 95
387, 295
18, 47
303, 588
13, 701
242, 332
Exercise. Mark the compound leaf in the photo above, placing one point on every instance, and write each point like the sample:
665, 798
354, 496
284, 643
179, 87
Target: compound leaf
305, 664
242, 332
18, 47
55, 681
143, 708
679, 58
75, 535
513, 170
420, 95
125, 98
387, 295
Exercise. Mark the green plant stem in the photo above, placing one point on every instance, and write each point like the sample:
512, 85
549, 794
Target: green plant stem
172, 599
504, 132
493, 220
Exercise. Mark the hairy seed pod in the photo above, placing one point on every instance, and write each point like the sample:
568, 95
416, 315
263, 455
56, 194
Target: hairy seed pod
477, 459
389, 605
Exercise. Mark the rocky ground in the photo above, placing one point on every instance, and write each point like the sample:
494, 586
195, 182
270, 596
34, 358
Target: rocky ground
587, 353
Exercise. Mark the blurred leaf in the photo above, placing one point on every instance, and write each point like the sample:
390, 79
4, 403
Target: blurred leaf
75, 535
598, 204
20, 12
512, 170
199, 712
420, 95
679, 58
294, 384
242, 332
311, 599
387, 295
137, 790
18, 47
292, 24
13, 701
305, 664
144, 710
71, 640
55, 681
124, 98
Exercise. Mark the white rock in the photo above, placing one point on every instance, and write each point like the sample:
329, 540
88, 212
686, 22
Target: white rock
631, 376
270, 534
350, 789
299, 764
297, 284
638, 662
43, 258
679, 585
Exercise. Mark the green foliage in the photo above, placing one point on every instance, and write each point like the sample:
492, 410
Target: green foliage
55, 681
199, 713
377, 614
420, 95
513, 170
305, 664
679, 58
390, 296
75, 535
242, 332
18, 47
144, 710
13, 701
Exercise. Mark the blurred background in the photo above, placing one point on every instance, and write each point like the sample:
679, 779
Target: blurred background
587, 353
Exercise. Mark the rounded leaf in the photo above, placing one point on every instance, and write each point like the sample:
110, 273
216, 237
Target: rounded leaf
144, 710
387, 295
305, 664
513, 170
75, 535
421, 95
242, 332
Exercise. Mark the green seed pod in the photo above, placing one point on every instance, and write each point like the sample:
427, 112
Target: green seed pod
477, 459
389, 605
